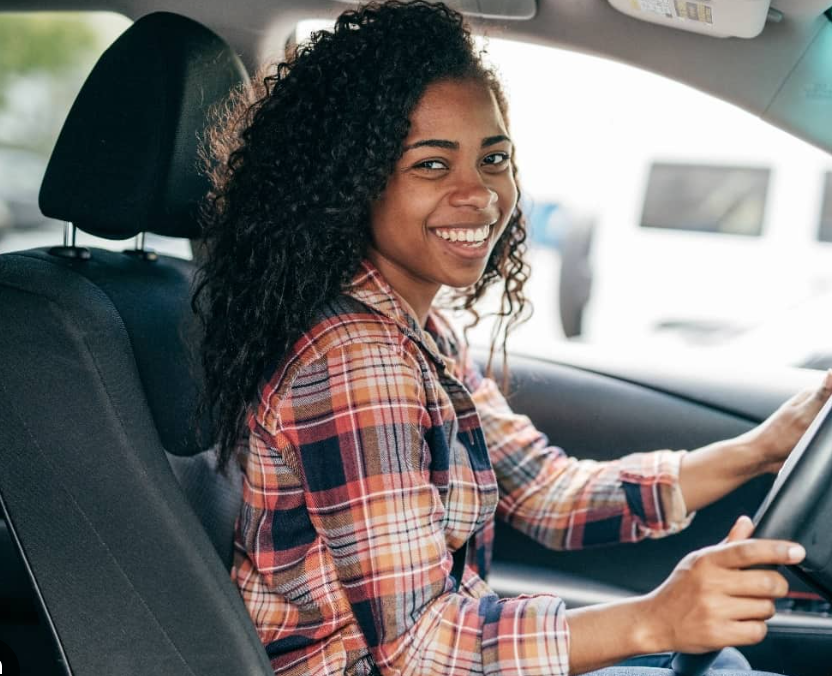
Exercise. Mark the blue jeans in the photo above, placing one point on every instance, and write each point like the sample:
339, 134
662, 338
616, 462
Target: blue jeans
730, 659
730, 662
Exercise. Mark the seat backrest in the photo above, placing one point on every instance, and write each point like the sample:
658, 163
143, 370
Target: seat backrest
97, 388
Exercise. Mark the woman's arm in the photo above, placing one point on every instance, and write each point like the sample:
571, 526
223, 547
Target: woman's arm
566, 503
713, 471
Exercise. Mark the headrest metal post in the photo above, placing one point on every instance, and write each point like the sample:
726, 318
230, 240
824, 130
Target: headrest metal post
140, 252
69, 234
69, 250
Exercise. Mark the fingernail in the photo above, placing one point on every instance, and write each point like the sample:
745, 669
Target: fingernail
796, 553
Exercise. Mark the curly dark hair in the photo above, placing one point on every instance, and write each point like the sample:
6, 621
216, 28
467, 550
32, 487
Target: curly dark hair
295, 167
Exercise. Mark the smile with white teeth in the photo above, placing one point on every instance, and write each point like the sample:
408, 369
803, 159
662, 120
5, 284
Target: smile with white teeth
473, 237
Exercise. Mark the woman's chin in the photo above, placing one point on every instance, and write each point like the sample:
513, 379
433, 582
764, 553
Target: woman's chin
463, 279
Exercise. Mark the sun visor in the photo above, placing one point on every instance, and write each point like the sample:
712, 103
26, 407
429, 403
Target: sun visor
718, 18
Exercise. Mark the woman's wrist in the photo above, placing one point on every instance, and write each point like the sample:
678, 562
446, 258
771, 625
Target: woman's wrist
650, 631
629, 627
754, 454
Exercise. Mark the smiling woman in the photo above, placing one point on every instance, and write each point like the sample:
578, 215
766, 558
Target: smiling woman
375, 169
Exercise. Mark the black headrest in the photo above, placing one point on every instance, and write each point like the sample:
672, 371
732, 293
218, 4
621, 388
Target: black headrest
127, 157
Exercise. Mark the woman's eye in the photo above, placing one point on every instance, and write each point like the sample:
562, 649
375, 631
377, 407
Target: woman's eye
496, 159
431, 165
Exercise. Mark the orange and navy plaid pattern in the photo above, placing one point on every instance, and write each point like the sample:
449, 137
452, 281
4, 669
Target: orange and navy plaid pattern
374, 451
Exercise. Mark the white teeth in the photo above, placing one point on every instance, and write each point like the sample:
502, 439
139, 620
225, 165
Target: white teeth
478, 235
467, 235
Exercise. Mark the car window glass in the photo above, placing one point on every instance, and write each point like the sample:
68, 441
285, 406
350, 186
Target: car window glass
44, 59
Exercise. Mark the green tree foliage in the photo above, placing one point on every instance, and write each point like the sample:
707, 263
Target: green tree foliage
44, 58
54, 43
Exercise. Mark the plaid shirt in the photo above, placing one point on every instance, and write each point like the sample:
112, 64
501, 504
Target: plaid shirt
375, 450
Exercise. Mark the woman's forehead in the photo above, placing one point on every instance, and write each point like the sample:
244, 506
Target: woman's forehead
456, 107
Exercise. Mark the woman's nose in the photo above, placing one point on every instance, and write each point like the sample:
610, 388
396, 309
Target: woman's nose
473, 192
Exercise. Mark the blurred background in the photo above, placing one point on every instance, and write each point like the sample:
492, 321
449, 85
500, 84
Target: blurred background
661, 221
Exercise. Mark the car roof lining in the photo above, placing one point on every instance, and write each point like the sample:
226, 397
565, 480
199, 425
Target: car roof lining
777, 76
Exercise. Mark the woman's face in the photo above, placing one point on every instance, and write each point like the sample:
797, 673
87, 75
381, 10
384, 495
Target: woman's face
450, 196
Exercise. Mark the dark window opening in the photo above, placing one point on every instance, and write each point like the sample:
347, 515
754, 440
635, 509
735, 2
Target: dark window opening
704, 198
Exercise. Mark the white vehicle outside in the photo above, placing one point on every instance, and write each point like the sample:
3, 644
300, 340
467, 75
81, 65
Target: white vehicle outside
690, 280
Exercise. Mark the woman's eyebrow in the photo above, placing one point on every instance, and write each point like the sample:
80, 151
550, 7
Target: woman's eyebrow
454, 145
433, 143
491, 140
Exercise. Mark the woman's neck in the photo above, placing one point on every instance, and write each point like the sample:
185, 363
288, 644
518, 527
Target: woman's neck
416, 294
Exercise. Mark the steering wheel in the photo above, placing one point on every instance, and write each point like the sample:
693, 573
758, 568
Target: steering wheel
799, 508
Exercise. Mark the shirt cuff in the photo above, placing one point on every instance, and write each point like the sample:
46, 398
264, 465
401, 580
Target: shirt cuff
651, 484
526, 635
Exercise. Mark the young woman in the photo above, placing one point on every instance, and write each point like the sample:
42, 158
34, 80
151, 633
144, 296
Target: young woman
375, 169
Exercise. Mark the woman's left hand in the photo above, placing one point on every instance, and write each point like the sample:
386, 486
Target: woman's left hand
773, 439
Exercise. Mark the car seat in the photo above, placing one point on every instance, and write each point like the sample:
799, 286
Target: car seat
123, 526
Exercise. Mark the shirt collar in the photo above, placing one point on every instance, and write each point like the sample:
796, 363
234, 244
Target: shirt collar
369, 287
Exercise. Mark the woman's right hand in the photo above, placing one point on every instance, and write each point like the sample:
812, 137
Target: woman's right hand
714, 598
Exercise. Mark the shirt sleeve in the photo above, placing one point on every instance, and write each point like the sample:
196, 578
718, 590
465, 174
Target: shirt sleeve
565, 503
353, 427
